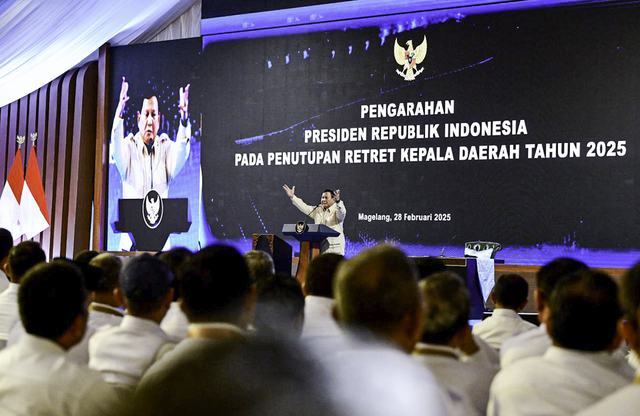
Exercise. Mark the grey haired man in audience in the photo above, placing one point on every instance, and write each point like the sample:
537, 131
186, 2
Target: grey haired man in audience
37, 377
577, 370
378, 302
445, 326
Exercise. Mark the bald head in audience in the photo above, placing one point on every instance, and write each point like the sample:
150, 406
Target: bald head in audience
377, 292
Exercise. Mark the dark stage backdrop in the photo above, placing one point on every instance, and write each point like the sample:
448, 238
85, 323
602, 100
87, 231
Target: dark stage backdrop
530, 121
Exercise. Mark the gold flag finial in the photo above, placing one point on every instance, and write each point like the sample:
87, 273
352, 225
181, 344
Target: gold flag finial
20, 140
34, 137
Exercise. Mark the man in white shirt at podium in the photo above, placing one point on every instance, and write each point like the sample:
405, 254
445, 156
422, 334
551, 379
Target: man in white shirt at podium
330, 212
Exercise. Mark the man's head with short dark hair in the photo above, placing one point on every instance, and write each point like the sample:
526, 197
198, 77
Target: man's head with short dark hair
51, 298
548, 277
260, 265
6, 243
85, 256
145, 282
550, 274
510, 292
447, 307
176, 258
377, 291
23, 257
584, 312
279, 307
320, 275
216, 285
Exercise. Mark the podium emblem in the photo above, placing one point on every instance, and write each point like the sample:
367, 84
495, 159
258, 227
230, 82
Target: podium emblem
152, 209
301, 227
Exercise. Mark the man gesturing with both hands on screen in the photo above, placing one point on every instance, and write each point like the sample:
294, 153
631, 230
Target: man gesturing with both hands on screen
330, 212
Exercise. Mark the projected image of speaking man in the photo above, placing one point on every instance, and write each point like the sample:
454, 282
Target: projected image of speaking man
331, 212
147, 160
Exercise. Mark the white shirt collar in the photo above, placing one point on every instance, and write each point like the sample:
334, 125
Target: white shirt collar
435, 349
40, 344
140, 324
194, 327
506, 313
558, 354
13, 287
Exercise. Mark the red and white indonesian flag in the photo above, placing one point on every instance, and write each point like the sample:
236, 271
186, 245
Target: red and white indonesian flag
34, 216
10, 199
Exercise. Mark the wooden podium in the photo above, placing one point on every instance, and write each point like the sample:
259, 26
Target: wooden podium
310, 240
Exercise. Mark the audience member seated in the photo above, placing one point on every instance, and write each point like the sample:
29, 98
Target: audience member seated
445, 326
626, 401
105, 308
535, 342
175, 322
237, 377
37, 378
510, 297
320, 330
260, 265
21, 258
279, 307
79, 353
218, 297
123, 353
577, 370
378, 302
6, 243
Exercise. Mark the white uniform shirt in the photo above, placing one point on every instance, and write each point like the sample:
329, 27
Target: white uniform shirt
561, 382
532, 343
4, 281
333, 217
378, 380
320, 332
123, 353
485, 355
175, 322
503, 324
37, 380
142, 171
470, 378
79, 353
101, 315
9, 314
624, 402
